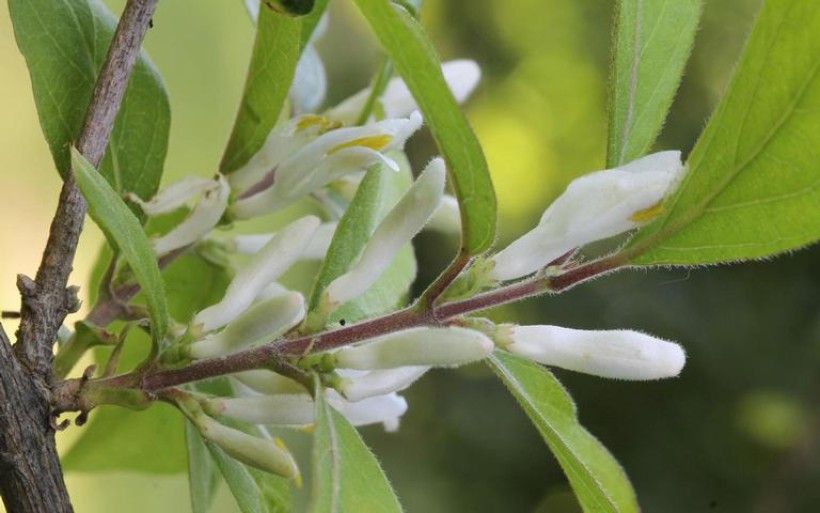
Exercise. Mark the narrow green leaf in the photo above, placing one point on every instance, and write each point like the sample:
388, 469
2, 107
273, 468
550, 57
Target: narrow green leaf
415, 59
753, 186
653, 39
273, 63
123, 231
596, 477
255, 491
378, 192
347, 477
64, 44
203, 475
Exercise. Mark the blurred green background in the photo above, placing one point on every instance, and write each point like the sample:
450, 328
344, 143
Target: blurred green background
738, 432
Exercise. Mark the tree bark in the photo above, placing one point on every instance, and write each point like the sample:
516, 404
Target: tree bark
31, 479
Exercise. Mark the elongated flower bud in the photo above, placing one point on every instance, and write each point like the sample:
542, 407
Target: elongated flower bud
397, 228
266, 382
202, 219
416, 346
267, 455
595, 206
250, 244
174, 196
378, 382
262, 322
330, 156
462, 77
294, 410
265, 267
620, 354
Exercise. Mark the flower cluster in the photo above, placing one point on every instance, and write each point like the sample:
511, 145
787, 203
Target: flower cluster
302, 157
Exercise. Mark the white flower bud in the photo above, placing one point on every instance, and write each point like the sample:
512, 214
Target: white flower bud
355, 387
461, 76
267, 455
265, 267
447, 217
397, 228
620, 354
249, 244
295, 410
272, 290
262, 322
202, 219
330, 156
416, 346
595, 206
174, 196
267, 382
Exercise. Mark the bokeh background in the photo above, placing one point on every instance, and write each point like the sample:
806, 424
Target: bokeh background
739, 431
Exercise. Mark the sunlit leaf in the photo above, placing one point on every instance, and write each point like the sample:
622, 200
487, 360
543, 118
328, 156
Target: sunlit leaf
123, 230
653, 39
416, 61
753, 187
273, 63
347, 477
64, 44
597, 479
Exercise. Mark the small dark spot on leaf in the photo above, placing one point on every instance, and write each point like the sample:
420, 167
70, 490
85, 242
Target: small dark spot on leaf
342, 322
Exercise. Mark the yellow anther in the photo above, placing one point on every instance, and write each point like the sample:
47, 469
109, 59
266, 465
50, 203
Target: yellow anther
647, 214
315, 120
374, 142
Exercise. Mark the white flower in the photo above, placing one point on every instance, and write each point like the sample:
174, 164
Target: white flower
332, 155
268, 455
266, 266
397, 228
264, 321
260, 381
174, 196
202, 219
416, 346
595, 206
620, 354
307, 92
296, 410
358, 385
249, 244
461, 76
447, 217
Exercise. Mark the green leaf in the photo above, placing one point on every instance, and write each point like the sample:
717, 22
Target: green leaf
347, 477
596, 477
273, 63
378, 192
255, 491
65, 44
752, 186
203, 475
653, 39
123, 230
310, 21
415, 59
118, 439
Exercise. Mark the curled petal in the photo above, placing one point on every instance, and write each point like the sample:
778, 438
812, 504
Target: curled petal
595, 206
249, 244
265, 267
174, 196
447, 217
202, 219
397, 228
620, 354
416, 347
